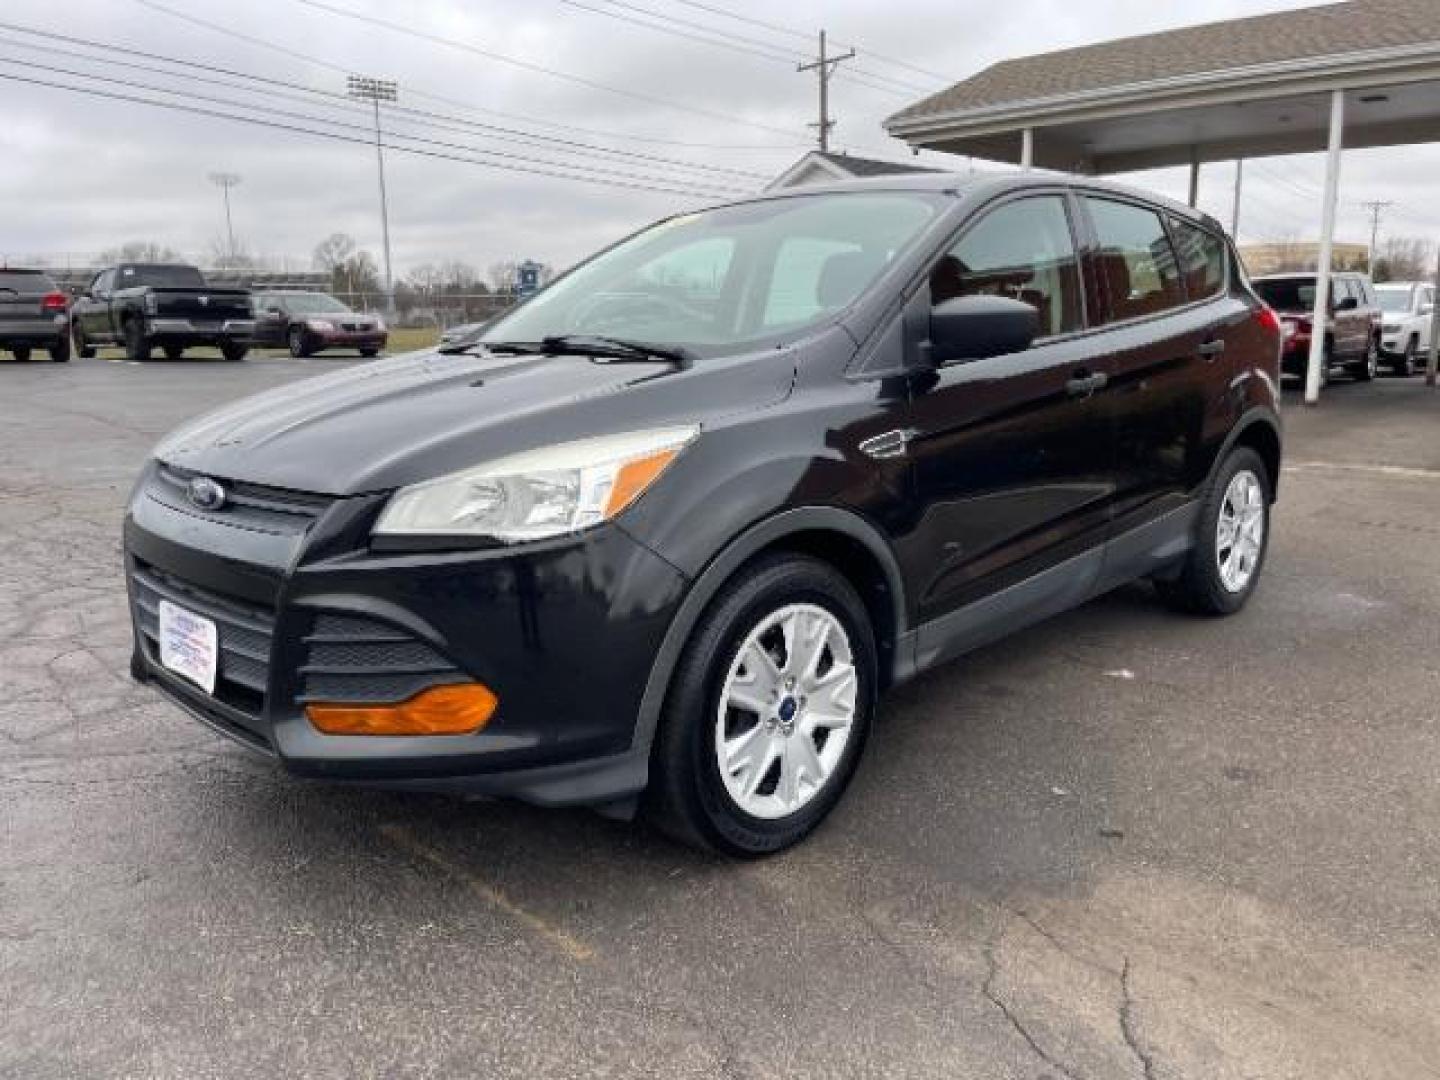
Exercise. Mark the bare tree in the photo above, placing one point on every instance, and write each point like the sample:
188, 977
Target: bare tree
139, 251
333, 251
1403, 258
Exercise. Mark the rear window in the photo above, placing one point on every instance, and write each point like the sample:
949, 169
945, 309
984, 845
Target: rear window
161, 277
1202, 259
25, 283
1288, 294
1136, 260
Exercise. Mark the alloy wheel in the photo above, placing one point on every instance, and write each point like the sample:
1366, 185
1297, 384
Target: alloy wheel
786, 711
1240, 531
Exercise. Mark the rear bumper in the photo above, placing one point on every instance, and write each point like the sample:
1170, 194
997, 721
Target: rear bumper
39, 331
230, 330
564, 633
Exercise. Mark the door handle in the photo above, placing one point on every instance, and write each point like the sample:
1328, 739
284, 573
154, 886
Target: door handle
1211, 349
1085, 383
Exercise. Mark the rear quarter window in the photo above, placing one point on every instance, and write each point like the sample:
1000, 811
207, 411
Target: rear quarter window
1202, 259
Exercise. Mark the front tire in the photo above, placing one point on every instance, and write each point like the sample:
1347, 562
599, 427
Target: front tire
1233, 535
83, 348
1405, 366
768, 712
21, 353
1368, 367
60, 351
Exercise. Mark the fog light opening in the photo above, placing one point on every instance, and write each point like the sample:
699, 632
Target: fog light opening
457, 709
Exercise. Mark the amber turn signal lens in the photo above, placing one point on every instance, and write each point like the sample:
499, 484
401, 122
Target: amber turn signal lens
461, 709
634, 477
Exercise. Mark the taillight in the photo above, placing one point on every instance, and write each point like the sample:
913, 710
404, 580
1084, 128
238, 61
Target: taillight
55, 301
1268, 319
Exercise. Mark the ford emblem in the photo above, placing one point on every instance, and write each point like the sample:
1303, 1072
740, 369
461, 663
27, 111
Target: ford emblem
205, 493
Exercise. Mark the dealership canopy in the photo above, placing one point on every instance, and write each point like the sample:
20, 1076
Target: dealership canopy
1359, 74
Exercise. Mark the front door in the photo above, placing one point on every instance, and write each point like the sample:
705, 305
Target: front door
1011, 455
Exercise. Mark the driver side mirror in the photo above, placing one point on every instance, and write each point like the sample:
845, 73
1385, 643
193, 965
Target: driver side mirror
1348, 304
979, 327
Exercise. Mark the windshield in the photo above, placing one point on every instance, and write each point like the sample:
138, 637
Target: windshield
1288, 294
1394, 300
161, 277
310, 304
720, 278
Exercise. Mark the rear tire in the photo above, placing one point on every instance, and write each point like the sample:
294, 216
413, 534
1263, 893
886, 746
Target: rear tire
60, 351
1232, 537
234, 351
174, 352
299, 347
22, 353
137, 345
83, 348
787, 628
369, 354
1368, 367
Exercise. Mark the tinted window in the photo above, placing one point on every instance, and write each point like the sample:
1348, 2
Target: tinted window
164, 277
25, 284
308, 304
104, 283
719, 279
1202, 259
1394, 300
1136, 261
1023, 250
1288, 294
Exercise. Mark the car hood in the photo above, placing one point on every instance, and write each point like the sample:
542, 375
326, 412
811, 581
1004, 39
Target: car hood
421, 415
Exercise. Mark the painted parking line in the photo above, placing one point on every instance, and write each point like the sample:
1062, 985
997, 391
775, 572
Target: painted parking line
1374, 470
552, 935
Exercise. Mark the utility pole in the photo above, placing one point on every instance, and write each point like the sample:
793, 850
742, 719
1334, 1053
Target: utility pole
363, 88
225, 181
1376, 208
824, 67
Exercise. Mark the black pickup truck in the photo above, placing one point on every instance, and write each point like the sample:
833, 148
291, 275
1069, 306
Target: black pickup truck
145, 305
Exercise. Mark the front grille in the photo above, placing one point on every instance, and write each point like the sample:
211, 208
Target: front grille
354, 658
245, 629
247, 506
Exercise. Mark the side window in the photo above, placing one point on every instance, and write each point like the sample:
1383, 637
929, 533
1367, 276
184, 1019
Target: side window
104, 284
1023, 250
1136, 261
1427, 299
1343, 290
1202, 259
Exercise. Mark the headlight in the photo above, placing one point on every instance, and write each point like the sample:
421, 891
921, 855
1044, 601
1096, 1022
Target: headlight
320, 324
538, 493
379, 323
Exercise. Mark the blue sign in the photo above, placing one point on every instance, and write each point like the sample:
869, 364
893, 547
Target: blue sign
527, 277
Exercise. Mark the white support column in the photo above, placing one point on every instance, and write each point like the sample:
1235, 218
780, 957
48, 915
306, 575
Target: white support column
1235, 210
1432, 354
1320, 319
1027, 149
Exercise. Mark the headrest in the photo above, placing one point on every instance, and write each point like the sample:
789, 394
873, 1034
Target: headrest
843, 276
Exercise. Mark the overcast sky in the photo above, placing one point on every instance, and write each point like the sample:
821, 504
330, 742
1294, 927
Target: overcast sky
81, 173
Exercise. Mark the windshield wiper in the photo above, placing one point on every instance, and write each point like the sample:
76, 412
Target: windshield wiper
616, 350
611, 350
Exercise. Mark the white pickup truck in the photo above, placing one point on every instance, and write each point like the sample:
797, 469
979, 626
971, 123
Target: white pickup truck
1406, 308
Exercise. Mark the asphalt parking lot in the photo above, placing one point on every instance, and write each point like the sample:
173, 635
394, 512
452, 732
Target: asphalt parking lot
1123, 844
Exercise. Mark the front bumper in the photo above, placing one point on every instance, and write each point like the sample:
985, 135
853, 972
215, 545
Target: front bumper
563, 632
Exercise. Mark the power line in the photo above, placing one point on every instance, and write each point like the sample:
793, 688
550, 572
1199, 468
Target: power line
464, 46
338, 101
796, 32
334, 136
311, 59
737, 43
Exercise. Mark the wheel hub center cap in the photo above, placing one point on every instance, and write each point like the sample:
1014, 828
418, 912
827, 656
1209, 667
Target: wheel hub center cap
788, 708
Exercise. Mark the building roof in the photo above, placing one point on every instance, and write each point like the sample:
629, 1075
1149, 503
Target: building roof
823, 167
1330, 30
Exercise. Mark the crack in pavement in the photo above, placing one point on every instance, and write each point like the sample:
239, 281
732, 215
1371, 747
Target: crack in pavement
1127, 1024
987, 988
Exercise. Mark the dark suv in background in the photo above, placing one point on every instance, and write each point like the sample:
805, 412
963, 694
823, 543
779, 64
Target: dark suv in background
34, 314
144, 306
662, 535
1352, 333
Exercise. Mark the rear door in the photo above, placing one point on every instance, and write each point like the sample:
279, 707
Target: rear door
20, 308
1011, 455
1167, 352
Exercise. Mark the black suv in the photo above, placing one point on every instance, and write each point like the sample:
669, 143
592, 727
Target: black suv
34, 314
660, 538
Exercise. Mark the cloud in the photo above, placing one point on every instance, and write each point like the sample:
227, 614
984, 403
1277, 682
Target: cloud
82, 174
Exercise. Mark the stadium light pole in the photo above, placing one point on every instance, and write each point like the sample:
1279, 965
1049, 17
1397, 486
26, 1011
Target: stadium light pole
225, 181
364, 88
